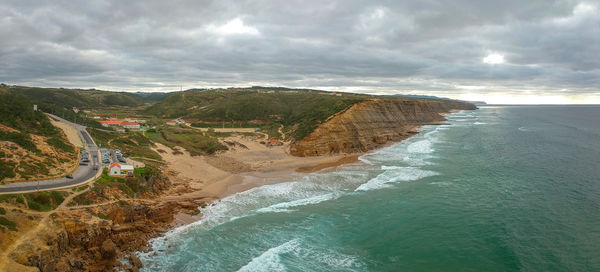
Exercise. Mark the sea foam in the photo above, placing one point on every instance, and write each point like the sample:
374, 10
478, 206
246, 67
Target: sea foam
395, 175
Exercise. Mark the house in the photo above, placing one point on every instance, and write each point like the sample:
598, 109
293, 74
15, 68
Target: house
75, 109
130, 125
120, 170
111, 123
176, 122
274, 142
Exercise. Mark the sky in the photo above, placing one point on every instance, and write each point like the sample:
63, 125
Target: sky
510, 51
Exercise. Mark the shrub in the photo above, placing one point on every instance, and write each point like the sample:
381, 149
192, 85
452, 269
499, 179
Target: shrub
102, 216
7, 223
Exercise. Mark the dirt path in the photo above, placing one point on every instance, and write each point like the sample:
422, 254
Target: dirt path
280, 130
7, 264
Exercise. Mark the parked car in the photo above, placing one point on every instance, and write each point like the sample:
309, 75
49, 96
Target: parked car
69, 176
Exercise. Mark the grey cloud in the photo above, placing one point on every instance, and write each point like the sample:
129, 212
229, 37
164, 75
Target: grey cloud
370, 46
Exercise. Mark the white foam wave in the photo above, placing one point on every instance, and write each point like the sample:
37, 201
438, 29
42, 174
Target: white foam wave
385, 167
270, 260
363, 159
423, 147
284, 207
479, 123
398, 174
295, 251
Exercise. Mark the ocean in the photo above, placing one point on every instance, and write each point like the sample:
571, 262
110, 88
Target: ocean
502, 188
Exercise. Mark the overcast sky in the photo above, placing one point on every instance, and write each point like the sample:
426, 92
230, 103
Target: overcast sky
500, 51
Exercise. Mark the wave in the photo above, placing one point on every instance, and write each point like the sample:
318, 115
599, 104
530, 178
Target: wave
423, 147
299, 255
398, 174
270, 260
284, 207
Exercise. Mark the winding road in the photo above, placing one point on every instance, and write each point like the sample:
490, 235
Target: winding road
83, 174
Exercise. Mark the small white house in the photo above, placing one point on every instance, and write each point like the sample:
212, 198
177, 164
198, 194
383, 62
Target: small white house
120, 170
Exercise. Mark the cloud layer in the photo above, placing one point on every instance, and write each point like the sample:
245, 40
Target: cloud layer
437, 47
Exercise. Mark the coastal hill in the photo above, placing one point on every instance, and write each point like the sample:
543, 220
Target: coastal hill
299, 111
315, 122
30, 146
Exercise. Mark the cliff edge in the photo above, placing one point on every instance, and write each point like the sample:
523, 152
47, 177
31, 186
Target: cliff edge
371, 124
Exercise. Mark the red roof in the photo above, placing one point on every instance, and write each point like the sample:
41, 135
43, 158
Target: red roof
114, 164
274, 141
172, 122
130, 124
111, 122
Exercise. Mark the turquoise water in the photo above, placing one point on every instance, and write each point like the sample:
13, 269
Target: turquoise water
497, 189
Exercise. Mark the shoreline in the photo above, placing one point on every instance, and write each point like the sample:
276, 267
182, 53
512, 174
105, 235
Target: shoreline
217, 183
264, 175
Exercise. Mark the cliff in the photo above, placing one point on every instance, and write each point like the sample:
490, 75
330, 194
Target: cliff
370, 124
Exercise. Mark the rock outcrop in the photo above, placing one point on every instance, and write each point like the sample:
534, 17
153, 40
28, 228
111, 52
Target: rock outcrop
370, 124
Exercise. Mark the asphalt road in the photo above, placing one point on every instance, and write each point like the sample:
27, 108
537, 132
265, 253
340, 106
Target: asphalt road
81, 175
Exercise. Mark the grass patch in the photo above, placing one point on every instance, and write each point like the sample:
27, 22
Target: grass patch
102, 216
45, 201
8, 224
194, 141
60, 144
80, 188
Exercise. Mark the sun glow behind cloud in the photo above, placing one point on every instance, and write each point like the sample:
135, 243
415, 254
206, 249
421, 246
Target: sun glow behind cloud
494, 58
235, 26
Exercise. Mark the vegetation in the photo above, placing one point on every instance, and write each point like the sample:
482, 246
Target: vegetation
194, 141
80, 188
2, 210
102, 216
17, 112
45, 201
143, 182
20, 122
68, 98
8, 224
300, 111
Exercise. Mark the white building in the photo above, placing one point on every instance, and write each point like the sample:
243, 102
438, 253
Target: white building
120, 170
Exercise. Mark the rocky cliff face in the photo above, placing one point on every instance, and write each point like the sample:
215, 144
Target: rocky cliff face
370, 124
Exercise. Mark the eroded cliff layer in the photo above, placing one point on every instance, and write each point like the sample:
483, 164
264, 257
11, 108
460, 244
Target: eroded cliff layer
370, 124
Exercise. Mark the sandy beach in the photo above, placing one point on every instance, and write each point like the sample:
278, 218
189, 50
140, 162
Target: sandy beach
247, 164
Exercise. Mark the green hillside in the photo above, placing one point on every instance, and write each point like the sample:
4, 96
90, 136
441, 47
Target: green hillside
81, 98
300, 111
19, 124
